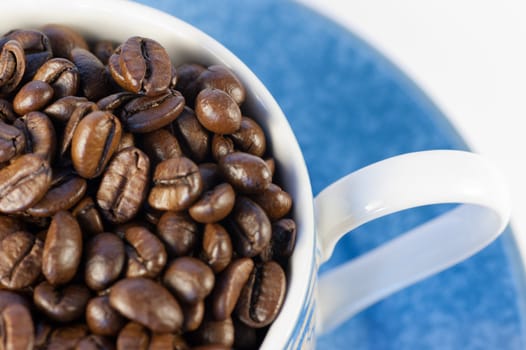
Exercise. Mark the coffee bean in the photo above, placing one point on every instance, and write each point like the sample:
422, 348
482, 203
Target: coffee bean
8, 298
189, 279
127, 140
61, 74
262, 296
102, 319
94, 342
61, 304
194, 138
160, 145
12, 142
221, 146
81, 110
178, 232
209, 175
40, 135
103, 49
88, 217
274, 201
148, 303
133, 337
63, 39
282, 242
62, 109
12, 66
20, 260
95, 139
193, 315
217, 247
124, 185
105, 258
9, 225
146, 254
187, 75
213, 332
214, 205
67, 337
7, 114
246, 172
16, 328
250, 137
249, 227
222, 78
33, 96
177, 184
116, 101
217, 111
168, 341
43, 332
149, 113
145, 66
228, 287
62, 249
95, 81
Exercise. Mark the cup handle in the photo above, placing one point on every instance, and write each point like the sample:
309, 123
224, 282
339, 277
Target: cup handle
395, 184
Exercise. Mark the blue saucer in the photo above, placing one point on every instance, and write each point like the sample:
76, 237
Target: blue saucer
349, 107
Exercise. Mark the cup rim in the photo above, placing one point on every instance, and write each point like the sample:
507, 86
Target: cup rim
166, 28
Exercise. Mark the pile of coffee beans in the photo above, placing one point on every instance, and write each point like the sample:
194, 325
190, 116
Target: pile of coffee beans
139, 208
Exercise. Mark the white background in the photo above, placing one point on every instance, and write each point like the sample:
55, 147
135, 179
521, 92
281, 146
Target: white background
470, 58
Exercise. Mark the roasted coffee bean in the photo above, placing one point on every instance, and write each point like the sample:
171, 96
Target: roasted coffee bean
148, 303
246, 172
8, 298
146, 254
250, 227
133, 337
12, 66
177, 184
195, 138
66, 338
274, 201
62, 249
61, 74
39, 134
168, 341
12, 142
124, 185
187, 75
282, 242
95, 81
63, 39
250, 137
88, 217
151, 215
209, 175
178, 232
7, 114
222, 78
20, 260
61, 304
214, 205
9, 225
81, 110
104, 259
160, 145
63, 108
103, 49
16, 328
95, 139
144, 65
229, 286
263, 295
65, 191
33, 96
115, 101
193, 315
212, 332
221, 146
190, 279
217, 111
149, 113
43, 332
127, 140
94, 342
102, 319
217, 247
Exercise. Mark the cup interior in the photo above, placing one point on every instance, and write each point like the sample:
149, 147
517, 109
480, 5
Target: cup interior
118, 20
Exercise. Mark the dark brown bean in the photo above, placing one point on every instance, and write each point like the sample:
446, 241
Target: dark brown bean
262, 296
81, 110
246, 172
178, 232
63, 108
61, 74
194, 138
127, 140
214, 205
177, 184
43, 332
221, 146
146, 254
124, 185
66, 338
168, 341
282, 242
62, 304
12, 142
11, 298
33, 96
102, 319
133, 337
16, 328
148, 303
274, 201
40, 135
229, 286
209, 175
88, 217
222, 78
95, 81
94, 342
217, 111
193, 315
95, 139
8, 225
7, 114
12, 66
145, 66
105, 258
217, 247
103, 49
160, 145
149, 113
20, 260
62, 249
213, 332
250, 137
187, 75
190, 279
63, 39
115, 101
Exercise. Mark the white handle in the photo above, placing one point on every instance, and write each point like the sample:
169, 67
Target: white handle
395, 184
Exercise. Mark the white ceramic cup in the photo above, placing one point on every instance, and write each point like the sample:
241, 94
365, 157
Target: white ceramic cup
399, 183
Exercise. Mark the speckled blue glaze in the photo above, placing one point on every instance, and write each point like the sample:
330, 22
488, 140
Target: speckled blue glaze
350, 107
